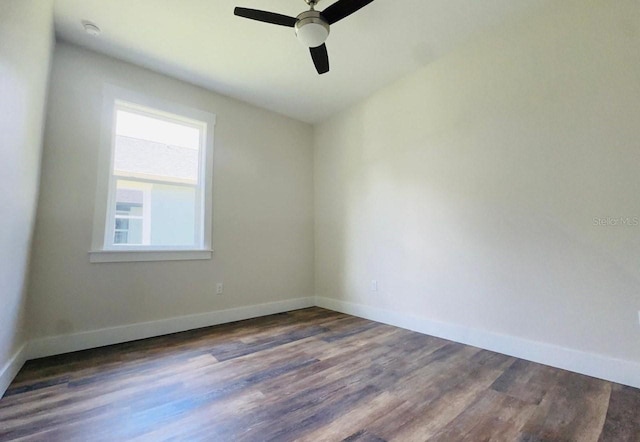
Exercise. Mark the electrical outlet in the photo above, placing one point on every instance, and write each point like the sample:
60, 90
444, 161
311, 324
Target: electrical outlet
219, 288
374, 285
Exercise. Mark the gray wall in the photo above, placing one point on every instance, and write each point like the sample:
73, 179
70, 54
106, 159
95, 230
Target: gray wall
26, 40
471, 190
263, 209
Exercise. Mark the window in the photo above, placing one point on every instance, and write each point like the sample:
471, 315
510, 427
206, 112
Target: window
154, 197
131, 222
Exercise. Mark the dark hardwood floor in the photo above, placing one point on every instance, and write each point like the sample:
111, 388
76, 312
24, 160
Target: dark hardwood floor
311, 375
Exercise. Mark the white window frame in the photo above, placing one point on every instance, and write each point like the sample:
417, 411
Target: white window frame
102, 247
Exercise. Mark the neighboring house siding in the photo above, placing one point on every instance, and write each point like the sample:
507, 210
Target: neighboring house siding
172, 208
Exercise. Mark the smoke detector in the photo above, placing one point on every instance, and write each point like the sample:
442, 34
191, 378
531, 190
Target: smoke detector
91, 28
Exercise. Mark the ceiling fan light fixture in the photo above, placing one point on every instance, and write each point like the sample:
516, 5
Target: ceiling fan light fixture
311, 29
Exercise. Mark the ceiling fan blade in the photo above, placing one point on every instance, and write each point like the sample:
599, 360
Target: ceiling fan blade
266, 16
320, 58
342, 9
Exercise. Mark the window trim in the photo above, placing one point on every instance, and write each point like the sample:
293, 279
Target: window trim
100, 251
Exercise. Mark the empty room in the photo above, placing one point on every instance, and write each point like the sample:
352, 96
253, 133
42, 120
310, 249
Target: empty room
334, 220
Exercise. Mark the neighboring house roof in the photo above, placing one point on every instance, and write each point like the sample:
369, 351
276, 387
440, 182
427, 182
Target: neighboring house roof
168, 162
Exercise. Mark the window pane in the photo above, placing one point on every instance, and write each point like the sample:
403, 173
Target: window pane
122, 223
128, 195
128, 209
169, 219
131, 235
120, 238
129, 224
158, 177
173, 218
143, 127
156, 149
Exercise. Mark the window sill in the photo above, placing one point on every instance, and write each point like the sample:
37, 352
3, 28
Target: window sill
99, 256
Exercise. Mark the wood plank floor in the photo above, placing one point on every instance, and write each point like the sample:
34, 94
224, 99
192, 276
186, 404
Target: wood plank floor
312, 375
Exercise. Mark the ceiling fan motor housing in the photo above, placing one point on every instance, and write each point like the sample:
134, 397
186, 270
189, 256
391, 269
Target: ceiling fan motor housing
311, 29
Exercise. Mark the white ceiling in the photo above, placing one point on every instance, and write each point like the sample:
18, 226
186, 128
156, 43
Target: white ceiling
202, 42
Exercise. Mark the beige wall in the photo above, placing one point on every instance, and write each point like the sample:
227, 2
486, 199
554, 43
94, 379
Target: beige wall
263, 209
26, 39
469, 189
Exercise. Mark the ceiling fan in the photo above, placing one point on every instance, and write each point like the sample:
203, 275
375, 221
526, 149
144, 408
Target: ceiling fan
312, 27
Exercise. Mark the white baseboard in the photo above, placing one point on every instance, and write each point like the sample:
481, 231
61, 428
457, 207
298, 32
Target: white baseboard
590, 364
11, 368
60, 344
